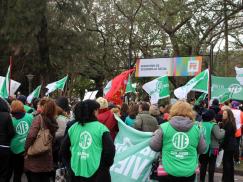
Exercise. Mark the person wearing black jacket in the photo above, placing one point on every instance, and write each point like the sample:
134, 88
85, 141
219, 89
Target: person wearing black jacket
85, 116
229, 145
6, 134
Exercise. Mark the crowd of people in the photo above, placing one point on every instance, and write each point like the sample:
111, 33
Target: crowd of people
41, 137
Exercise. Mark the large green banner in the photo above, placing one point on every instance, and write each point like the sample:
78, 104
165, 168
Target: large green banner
133, 159
222, 87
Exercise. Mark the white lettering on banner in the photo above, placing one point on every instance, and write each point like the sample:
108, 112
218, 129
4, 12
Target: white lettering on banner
139, 167
235, 88
131, 161
147, 152
124, 167
123, 146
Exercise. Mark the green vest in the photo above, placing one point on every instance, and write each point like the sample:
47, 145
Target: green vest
21, 127
86, 147
179, 151
207, 131
28, 109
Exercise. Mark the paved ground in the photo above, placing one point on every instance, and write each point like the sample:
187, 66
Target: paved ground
217, 178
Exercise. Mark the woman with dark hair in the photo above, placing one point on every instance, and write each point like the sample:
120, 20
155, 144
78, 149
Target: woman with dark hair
133, 112
39, 167
21, 122
229, 145
6, 134
88, 148
124, 111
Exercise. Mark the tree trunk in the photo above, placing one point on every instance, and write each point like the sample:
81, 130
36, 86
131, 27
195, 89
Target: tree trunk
226, 32
42, 40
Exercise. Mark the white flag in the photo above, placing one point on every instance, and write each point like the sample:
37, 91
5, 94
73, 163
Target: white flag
181, 92
239, 75
157, 89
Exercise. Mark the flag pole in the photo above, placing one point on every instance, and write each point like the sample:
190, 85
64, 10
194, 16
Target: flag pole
210, 75
10, 74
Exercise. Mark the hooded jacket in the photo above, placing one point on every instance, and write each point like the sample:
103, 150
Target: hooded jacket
6, 126
180, 124
146, 122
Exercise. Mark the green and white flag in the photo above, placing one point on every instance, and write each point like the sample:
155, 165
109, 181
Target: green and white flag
201, 78
223, 97
157, 89
5, 86
34, 94
199, 99
133, 158
60, 84
129, 86
239, 75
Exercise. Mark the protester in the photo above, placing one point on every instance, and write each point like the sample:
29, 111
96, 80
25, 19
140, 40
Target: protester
179, 157
229, 145
6, 134
144, 121
23, 99
238, 120
213, 134
154, 111
21, 122
106, 117
62, 120
124, 111
63, 103
90, 155
133, 112
38, 167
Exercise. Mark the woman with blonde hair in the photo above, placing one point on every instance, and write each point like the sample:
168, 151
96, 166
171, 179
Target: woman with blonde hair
180, 142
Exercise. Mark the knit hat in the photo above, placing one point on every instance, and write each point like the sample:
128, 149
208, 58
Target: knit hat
235, 104
154, 110
103, 102
208, 115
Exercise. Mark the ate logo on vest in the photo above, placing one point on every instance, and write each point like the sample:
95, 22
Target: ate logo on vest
22, 128
180, 140
85, 140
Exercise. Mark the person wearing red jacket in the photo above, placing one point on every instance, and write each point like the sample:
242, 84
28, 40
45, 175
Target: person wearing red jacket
106, 117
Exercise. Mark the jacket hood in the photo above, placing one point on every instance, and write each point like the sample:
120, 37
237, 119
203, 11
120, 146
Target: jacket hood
180, 123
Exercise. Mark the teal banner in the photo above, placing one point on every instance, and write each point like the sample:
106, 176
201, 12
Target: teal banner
133, 159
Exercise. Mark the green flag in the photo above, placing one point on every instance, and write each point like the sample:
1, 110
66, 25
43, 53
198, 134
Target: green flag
34, 94
157, 89
60, 84
199, 99
4, 89
223, 97
129, 87
201, 79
